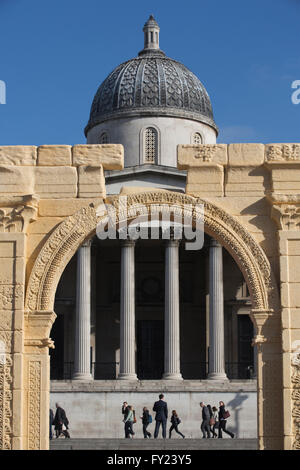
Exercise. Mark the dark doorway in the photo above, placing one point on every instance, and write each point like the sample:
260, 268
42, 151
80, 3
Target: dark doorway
150, 349
57, 354
245, 350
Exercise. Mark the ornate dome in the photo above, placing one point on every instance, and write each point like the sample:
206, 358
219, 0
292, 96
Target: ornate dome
151, 84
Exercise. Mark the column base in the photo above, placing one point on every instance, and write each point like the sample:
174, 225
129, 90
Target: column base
221, 377
169, 376
82, 376
124, 376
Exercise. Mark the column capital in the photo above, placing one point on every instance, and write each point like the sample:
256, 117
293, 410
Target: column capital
86, 243
173, 242
128, 242
214, 243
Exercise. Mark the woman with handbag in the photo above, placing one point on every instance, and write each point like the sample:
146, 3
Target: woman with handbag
175, 421
215, 421
212, 421
223, 415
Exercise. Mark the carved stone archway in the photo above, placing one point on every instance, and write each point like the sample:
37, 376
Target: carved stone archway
255, 266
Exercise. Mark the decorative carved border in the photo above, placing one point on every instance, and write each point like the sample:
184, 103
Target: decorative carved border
69, 235
34, 405
6, 404
296, 401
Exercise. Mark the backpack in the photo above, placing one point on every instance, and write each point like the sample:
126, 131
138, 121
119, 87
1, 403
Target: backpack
149, 419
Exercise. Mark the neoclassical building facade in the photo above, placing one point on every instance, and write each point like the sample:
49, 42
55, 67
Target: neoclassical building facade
104, 299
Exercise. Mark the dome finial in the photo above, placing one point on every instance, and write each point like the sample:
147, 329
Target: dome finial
151, 34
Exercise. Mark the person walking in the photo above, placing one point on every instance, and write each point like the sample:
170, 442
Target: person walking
51, 418
146, 419
60, 421
128, 420
205, 428
175, 420
223, 415
211, 420
125, 409
161, 409
215, 417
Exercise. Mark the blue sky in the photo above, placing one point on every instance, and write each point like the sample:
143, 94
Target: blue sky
55, 53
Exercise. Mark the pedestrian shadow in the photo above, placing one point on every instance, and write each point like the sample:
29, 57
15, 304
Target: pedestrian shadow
236, 405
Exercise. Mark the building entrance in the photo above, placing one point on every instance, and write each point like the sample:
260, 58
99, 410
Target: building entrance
150, 349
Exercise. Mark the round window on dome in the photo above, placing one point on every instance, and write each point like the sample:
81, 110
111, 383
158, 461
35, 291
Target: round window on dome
197, 138
103, 138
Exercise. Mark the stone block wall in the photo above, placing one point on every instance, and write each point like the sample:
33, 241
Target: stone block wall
45, 213
58, 171
39, 188
260, 186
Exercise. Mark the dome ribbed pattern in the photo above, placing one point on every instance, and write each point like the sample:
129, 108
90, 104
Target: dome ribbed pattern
151, 84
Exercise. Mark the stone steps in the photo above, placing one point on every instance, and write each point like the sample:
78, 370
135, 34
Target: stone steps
153, 444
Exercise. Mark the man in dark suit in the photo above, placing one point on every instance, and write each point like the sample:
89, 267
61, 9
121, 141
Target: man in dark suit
205, 427
51, 419
60, 420
161, 409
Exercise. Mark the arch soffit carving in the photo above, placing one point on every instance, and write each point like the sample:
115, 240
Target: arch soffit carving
69, 235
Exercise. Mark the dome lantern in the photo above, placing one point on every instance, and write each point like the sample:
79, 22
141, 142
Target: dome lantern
151, 34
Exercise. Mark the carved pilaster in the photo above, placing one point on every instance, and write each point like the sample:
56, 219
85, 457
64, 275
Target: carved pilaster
296, 399
6, 395
34, 405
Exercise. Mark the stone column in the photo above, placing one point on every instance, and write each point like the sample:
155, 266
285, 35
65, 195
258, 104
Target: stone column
83, 314
127, 312
216, 360
172, 330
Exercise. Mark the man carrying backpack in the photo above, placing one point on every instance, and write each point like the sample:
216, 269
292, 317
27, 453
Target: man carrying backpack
146, 420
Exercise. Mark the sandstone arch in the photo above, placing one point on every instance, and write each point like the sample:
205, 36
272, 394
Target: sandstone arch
69, 235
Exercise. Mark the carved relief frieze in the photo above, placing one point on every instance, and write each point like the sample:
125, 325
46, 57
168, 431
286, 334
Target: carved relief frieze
17, 212
283, 153
205, 153
9, 295
287, 216
285, 210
